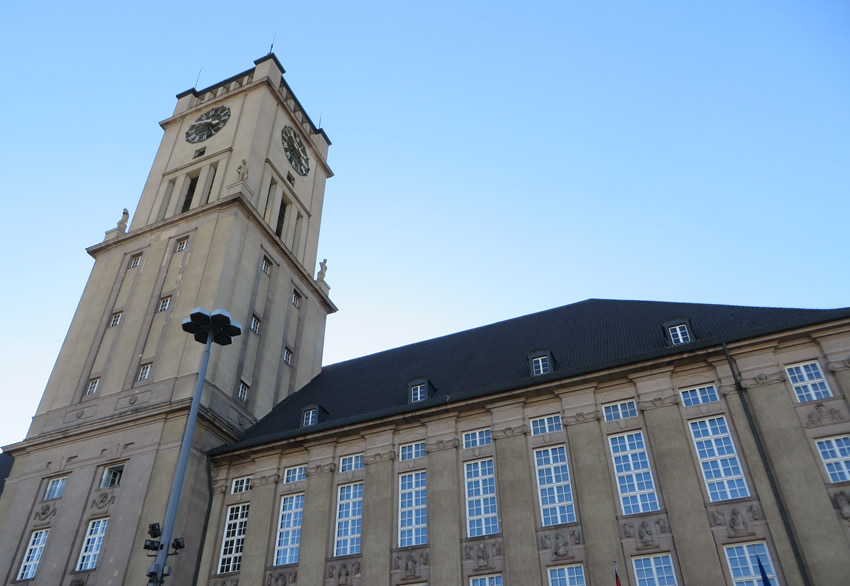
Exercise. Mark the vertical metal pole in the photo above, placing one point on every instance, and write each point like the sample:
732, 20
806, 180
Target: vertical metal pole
182, 463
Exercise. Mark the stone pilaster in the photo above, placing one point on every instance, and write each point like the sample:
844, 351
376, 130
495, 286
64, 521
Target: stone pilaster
262, 516
378, 506
318, 512
444, 515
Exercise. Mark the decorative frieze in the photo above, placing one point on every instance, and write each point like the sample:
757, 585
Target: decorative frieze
345, 573
646, 532
410, 565
225, 582
659, 401
320, 469
510, 431
762, 379
387, 456
561, 543
582, 417
821, 415
837, 365
486, 555
441, 444
281, 578
841, 502
266, 479
103, 500
44, 512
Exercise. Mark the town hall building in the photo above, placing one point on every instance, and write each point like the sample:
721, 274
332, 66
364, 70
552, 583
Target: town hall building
656, 443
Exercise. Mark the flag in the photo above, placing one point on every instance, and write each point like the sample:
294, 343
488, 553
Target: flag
765, 580
616, 576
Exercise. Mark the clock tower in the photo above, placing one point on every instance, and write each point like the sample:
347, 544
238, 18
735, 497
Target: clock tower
229, 218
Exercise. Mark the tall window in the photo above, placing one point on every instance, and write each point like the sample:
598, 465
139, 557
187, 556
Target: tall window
55, 488
93, 384
296, 298
255, 324
412, 510
242, 393
144, 372
494, 580
835, 453
482, 517
808, 382
289, 530
479, 437
412, 451
621, 410
743, 560
679, 334
721, 469
287, 356
92, 544
233, 540
655, 570
567, 576
190, 193
553, 486
33, 555
266, 266
349, 519
545, 424
634, 477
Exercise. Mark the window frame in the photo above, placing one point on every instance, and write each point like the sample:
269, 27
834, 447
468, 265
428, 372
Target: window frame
840, 463
413, 508
181, 244
727, 452
418, 392
566, 580
233, 538
266, 265
477, 438
115, 319
803, 388
91, 388
92, 544
487, 580
135, 261
620, 410
662, 557
649, 505
351, 462
769, 568
241, 484
52, 493
111, 477
699, 397
164, 304
300, 473
546, 424
480, 494
540, 365
144, 372
287, 355
295, 300
32, 554
293, 516
564, 510
309, 416
255, 324
242, 391
349, 519
416, 449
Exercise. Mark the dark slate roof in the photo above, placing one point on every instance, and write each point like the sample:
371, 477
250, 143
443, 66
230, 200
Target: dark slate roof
583, 337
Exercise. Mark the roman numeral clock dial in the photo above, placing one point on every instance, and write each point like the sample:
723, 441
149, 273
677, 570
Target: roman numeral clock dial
208, 124
295, 150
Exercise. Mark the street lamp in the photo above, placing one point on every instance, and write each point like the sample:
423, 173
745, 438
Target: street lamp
207, 328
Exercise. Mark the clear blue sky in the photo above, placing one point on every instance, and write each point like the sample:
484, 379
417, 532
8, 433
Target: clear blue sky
492, 159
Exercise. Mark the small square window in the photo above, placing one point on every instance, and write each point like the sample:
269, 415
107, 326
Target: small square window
55, 488
808, 382
310, 417
144, 372
295, 474
545, 425
348, 463
622, 410
679, 334
266, 266
287, 356
181, 245
418, 393
241, 485
135, 261
540, 365
479, 437
112, 476
199, 153
115, 319
290, 178
93, 384
296, 298
412, 451
242, 393
165, 303
255, 324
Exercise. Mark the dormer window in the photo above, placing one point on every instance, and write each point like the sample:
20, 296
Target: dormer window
419, 390
310, 417
678, 331
541, 362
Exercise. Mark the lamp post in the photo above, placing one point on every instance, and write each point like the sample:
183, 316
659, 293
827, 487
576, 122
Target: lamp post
207, 328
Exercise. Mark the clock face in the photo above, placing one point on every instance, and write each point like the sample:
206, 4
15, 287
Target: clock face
208, 124
295, 151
